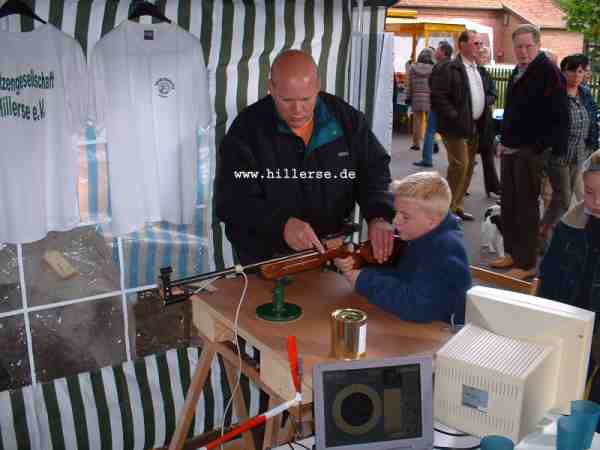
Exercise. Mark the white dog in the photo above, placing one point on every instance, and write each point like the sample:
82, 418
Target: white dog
491, 231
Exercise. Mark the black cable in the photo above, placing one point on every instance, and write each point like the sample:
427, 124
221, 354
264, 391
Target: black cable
447, 433
456, 448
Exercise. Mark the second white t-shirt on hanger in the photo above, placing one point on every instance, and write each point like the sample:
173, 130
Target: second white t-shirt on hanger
150, 91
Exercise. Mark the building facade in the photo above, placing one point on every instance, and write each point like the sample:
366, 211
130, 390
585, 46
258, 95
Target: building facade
503, 16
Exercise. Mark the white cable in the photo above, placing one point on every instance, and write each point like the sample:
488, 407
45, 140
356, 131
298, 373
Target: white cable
26, 320
237, 346
124, 298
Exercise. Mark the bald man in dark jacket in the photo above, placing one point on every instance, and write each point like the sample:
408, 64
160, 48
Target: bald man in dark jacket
294, 165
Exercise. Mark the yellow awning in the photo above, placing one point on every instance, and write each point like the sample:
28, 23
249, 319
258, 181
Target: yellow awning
400, 12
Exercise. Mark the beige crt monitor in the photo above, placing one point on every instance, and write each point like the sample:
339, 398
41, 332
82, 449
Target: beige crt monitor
517, 357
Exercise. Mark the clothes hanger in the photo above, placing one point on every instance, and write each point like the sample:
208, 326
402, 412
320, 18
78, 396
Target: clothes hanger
18, 7
147, 9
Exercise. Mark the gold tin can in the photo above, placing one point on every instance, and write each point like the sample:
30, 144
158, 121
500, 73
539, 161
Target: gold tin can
348, 334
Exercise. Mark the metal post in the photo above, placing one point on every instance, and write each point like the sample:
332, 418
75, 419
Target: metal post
361, 5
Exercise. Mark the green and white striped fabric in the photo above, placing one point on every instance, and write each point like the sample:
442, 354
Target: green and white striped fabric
240, 40
130, 406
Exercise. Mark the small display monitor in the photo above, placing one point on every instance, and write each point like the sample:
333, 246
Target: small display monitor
380, 404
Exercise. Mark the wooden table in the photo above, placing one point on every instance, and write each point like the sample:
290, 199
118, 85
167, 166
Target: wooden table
319, 294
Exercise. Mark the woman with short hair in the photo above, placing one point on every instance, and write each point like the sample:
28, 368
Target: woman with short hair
564, 165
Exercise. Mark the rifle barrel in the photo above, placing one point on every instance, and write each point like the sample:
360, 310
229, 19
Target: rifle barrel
231, 270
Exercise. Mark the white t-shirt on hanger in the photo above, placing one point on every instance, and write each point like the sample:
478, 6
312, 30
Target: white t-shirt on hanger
151, 95
43, 107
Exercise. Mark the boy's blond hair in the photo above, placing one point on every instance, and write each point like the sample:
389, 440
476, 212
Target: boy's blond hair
429, 188
592, 164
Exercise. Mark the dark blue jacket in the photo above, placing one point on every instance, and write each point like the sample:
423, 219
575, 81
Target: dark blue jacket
563, 268
536, 112
430, 281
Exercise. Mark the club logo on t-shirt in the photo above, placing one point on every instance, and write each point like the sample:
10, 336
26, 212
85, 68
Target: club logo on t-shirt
164, 87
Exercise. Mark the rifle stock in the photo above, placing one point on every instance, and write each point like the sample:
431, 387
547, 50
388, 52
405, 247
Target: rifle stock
362, 254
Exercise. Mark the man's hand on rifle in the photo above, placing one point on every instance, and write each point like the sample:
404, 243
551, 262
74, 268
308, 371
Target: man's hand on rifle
381, 235
299, 235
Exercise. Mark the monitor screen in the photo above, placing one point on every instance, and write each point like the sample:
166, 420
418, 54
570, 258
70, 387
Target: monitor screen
378, 404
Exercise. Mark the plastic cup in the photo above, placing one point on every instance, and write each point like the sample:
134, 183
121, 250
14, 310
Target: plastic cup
496, 443
584, 406
591, 412
570, 432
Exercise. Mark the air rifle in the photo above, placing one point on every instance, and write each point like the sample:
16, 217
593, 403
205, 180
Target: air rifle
275, 268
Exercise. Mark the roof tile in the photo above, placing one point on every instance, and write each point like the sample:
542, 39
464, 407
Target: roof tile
544, 13
466, 4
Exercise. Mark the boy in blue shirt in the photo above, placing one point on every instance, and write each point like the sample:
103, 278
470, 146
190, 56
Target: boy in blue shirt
432, 277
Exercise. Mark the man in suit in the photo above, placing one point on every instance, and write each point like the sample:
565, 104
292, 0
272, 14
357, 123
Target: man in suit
459, 100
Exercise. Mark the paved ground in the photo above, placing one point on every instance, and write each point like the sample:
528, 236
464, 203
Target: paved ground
476, 203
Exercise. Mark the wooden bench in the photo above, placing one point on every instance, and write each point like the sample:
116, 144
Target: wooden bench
502, 281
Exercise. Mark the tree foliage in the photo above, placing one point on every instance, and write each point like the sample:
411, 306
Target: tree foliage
583, 16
